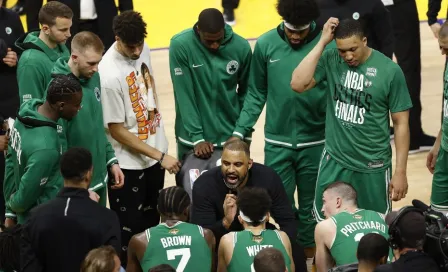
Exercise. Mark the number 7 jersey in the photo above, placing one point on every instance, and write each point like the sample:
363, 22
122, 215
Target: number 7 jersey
182, 246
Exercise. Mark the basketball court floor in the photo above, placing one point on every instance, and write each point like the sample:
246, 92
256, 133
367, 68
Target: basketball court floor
254, 17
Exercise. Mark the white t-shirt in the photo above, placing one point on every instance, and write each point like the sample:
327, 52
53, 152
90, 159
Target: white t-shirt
127, 97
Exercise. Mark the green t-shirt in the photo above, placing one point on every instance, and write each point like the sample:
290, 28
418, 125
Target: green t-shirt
183, 246
444, 142
359, 100
350, 228
246, 245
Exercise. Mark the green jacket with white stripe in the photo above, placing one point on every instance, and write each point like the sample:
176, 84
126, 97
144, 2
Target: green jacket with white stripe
209, 87
293, 120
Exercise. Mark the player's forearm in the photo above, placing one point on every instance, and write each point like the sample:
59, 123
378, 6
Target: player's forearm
438, 140
303, 74
126, 138
401, 132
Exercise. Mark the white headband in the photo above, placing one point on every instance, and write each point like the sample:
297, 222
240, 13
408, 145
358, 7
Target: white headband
247, 219
296, 28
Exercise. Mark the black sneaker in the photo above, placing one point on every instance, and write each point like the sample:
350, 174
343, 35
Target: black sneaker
425, 143
229, 16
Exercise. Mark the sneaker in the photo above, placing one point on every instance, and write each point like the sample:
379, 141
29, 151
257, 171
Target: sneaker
229, 16
425, 144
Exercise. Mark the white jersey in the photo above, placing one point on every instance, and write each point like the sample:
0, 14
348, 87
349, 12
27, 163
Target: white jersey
128, 97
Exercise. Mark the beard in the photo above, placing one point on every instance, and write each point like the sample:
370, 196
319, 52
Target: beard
237, 180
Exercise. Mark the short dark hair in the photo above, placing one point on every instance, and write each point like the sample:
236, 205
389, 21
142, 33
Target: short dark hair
344, 190
414, 236
62, 87
162, 268
10, 248
298, 12
255, 203
130, 27
372, 247
173, 200
269, 260
211, 20
99, 260
75, 163
348, 28
86, 39
52, 10
237, 145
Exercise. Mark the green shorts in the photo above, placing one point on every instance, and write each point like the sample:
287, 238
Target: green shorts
439, 192
372, 188
297, 168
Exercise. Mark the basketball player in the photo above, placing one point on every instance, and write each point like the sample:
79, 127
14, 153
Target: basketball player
209, 66
237, 250
32, 174
364, 87
437, 159
86, 129
337, 237
293, 152
184, 246
42, 49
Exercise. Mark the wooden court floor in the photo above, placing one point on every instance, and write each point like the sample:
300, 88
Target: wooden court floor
419, 177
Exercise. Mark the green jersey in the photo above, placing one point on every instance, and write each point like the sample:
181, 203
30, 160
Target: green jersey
183, 246
444, 141
350, 228
359, 100
246, 245
273, 61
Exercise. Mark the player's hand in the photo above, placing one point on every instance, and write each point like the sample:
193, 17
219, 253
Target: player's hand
118, 176
94, 196
4, 139
9, 222
435, 28
203, 150
328, 30
11, 58
398, 187
432, 158
171, 164
230, 209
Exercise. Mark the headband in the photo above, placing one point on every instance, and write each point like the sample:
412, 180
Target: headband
296, 28
247, 219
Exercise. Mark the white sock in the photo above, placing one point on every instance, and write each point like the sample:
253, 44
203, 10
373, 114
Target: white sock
309, 264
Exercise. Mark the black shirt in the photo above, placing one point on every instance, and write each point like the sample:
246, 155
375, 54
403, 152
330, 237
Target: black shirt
209, 193
60, 232
414, 261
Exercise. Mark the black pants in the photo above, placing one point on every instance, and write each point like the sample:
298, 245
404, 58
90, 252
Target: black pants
230, 4
406, 26
136, 203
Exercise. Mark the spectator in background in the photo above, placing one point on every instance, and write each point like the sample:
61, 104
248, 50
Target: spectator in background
229, 7
61, 232
96, 16
10, 248
432, 14
32, 8
269, 260
102, 259
9, 94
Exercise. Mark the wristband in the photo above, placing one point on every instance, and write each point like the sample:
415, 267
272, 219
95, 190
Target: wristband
161, 159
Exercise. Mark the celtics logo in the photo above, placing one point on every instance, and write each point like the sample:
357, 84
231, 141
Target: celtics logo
173, 231
356, 15
8, 30
257, 239
97, 94
232, 67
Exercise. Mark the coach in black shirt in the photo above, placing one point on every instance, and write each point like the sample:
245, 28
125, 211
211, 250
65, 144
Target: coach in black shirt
215, 192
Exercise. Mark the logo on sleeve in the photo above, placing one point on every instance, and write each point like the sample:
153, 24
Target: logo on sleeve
97, 94
8, 30
43, 181
178, 72
232, 67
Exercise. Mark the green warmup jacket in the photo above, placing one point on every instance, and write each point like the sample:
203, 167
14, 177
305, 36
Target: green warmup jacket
86, 128
32, 174
35, 65
293, 120
209, 88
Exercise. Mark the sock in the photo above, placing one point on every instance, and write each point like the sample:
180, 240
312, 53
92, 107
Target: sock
309, 264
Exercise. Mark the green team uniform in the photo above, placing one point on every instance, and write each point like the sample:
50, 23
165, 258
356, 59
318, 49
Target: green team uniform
183, 246
86, 129
246, 245
207, 100
35, 65
295, 123
350, 228
32, 174
439, 192
357, 144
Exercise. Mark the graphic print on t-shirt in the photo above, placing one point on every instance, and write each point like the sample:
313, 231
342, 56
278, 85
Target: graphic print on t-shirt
151, 97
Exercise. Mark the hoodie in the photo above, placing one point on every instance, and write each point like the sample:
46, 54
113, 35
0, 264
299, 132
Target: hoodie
292, 120
35, 64
86, 128
32, 174
209, 87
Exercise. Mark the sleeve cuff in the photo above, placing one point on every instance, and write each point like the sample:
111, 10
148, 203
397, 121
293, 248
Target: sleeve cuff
198, 141
112, 161
238, 134
10, 215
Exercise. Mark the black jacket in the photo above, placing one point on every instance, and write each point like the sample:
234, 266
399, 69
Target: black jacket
411, 262
209, 192
10, 30
433, 11
373, 15
60, 232
106, 11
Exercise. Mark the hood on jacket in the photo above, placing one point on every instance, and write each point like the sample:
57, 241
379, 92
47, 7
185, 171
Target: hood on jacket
31, 40
61, 68
228, 34
313, 33
29, 116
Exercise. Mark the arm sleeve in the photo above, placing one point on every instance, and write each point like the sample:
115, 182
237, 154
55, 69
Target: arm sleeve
113, 235
41, 166
28, 258
244, 75
8, 184
399, 98
382, 27
31, 82
124, 5
433, 11
320, 74
112, 101
256, 97
184, 92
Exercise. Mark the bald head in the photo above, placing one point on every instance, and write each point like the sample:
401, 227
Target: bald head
87, 40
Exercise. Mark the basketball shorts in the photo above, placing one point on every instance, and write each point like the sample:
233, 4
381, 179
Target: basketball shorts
372, 188
439, 191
